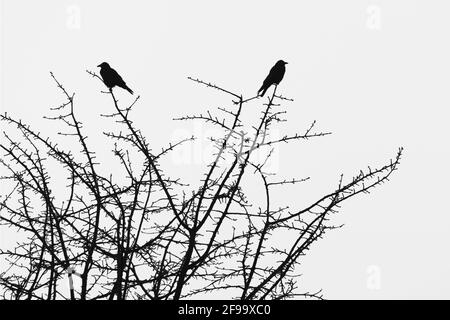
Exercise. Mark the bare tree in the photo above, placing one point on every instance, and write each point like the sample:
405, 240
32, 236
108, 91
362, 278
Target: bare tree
151, 236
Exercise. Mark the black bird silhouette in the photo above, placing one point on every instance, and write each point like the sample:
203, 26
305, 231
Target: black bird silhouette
111, 78
275, 76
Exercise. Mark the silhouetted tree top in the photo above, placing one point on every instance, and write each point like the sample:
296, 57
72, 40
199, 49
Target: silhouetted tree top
150, 236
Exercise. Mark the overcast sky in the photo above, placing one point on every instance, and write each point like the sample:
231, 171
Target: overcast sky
375, 73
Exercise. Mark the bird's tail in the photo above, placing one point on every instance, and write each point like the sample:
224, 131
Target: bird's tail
263, 89
128, 89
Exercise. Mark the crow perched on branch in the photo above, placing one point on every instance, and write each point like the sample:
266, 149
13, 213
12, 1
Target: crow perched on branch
275, 76
111, 78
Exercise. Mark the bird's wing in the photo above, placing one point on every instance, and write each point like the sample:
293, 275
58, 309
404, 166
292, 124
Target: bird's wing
269, 79
117, 78
277, 73
273, 71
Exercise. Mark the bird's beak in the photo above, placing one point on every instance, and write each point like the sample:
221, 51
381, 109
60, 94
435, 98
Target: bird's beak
285, 62
99, 66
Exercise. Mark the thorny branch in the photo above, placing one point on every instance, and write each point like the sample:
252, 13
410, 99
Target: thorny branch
148, 236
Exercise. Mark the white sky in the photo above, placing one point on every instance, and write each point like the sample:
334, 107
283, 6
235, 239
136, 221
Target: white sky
377, 82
